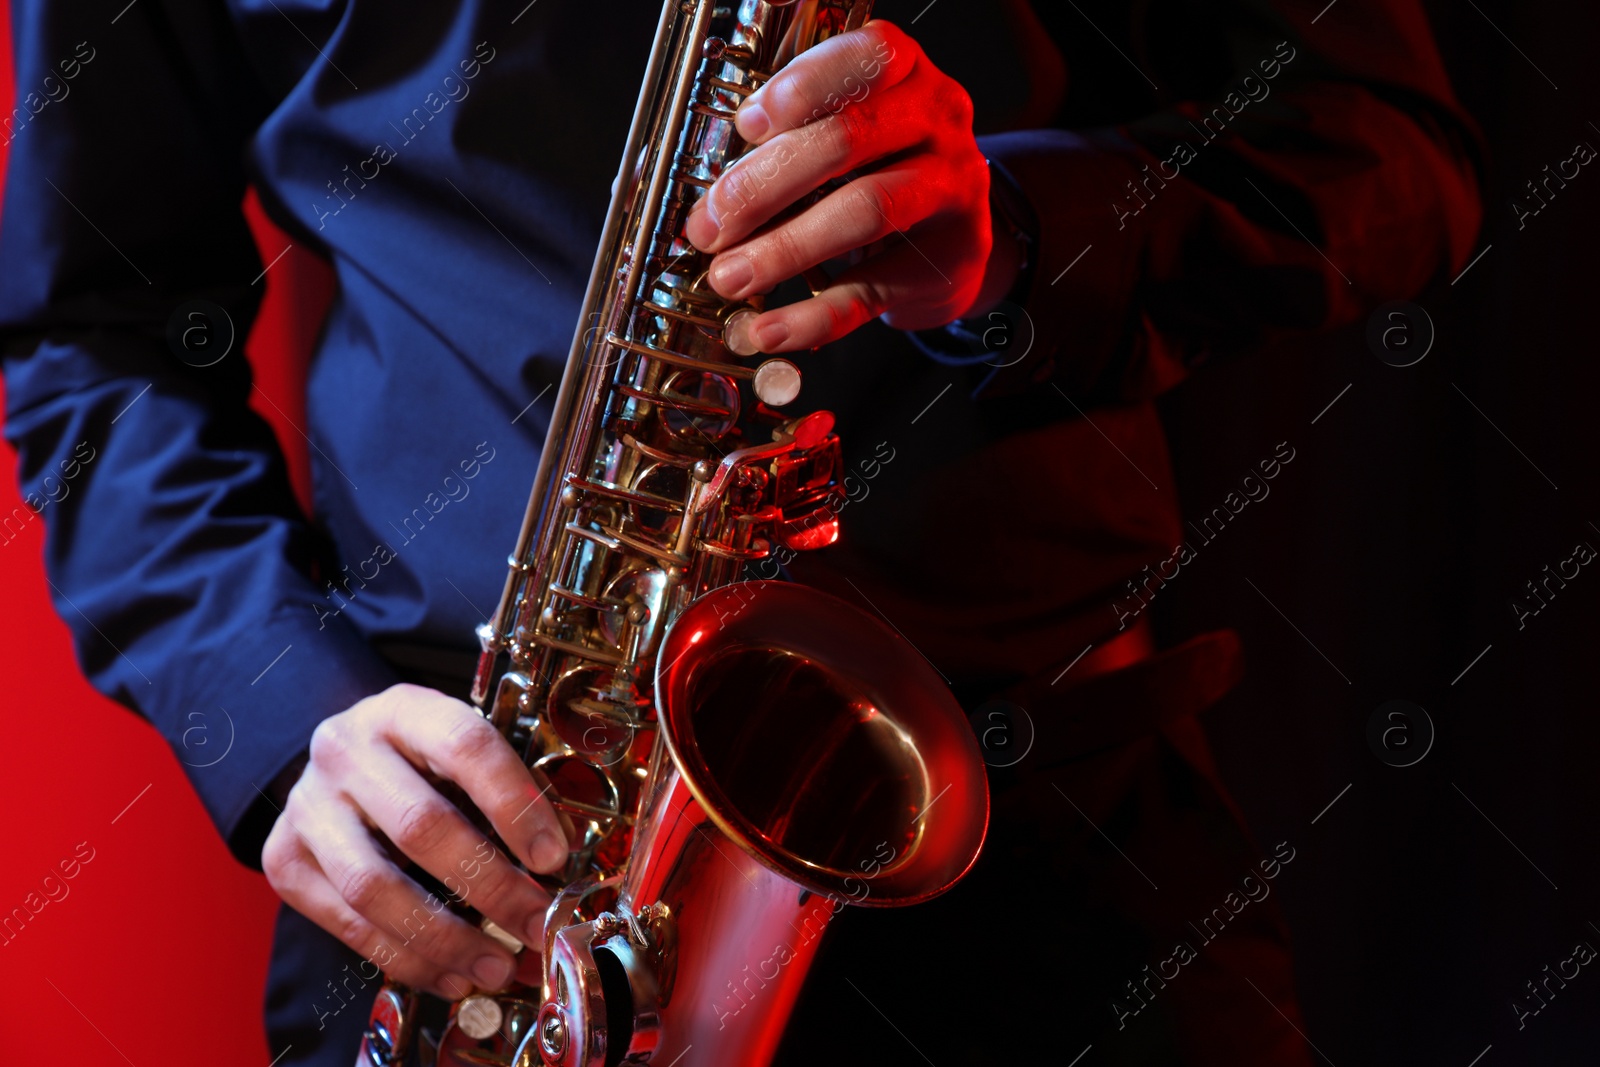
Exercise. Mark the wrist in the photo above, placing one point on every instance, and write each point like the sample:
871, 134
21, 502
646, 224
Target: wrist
1008, 272
1000, 274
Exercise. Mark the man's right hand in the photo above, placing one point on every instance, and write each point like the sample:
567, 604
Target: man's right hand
363, 802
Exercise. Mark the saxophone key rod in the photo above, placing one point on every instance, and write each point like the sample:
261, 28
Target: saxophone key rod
734, 761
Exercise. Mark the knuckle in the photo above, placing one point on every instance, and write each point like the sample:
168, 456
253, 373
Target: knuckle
379, 703
331, 741
790, 96
422, 825
880, 37
871, 301
352, 931
278, 860
839, 317
505, 797
785, 255
815, 86
825, 141
406, 691
888, 47
471, 738
855, 132
874, 199
491, 893
362, 885
957, 103
429, 932
736, 190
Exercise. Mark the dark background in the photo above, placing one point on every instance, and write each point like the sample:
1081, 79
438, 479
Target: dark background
1393, 543
1396, 541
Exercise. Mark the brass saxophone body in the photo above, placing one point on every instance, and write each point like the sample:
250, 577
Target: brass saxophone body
734, 760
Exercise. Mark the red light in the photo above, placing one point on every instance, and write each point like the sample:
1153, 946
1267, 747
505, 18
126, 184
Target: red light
810, 536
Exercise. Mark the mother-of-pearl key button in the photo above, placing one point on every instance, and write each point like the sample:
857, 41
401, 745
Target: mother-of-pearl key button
777, 382
479, 1017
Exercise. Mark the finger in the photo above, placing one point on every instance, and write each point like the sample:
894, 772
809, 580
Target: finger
426, 827
825, 79
904, 282
795, 162
890, 201
295, 875
376, 889
452, 740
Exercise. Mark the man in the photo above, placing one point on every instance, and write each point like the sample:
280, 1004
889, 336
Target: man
1248, 169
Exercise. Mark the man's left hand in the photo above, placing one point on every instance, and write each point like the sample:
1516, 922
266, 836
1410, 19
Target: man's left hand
869, 105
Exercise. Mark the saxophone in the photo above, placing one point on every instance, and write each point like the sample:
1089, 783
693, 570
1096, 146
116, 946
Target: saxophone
733, 761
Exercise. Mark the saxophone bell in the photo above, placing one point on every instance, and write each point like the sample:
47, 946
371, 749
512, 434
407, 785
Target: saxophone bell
808, 758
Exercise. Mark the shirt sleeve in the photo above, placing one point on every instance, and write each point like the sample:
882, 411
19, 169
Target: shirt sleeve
1325, 169
174, 548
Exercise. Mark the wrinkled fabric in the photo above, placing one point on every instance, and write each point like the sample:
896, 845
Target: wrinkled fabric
452, 160
446, 161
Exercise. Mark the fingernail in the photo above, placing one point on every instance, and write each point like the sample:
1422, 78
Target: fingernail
548, 852
736, 333
752, 122
456, 985
492, 972
772, 335
732, 275
703, 226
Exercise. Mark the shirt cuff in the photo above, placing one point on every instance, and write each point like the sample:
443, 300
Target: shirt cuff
1071, 319
254, 709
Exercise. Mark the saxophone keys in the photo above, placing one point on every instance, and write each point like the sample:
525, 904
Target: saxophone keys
486, 1031
500, 934
479, 1017
777, 382
736, 332
388, 1033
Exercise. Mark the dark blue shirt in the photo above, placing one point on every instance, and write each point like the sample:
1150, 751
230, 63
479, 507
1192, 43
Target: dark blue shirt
453, 161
